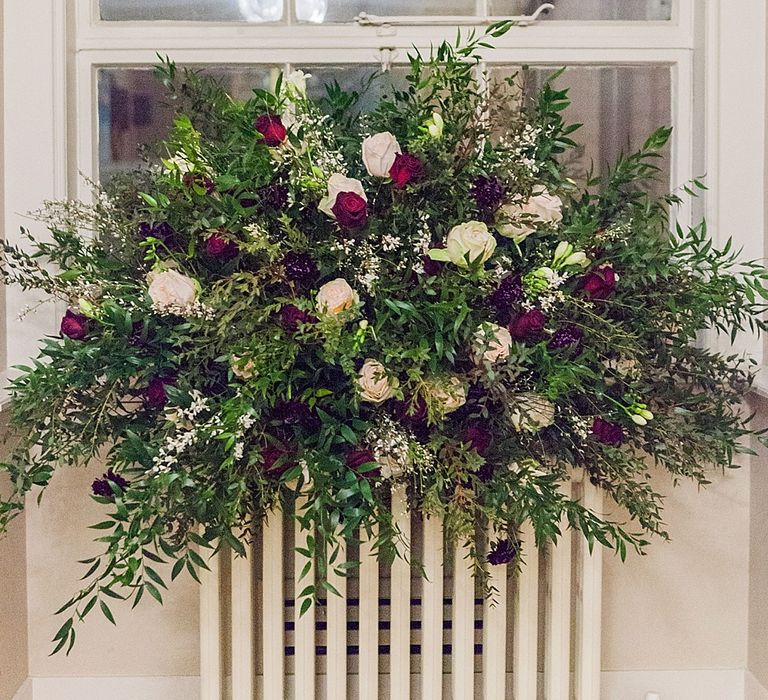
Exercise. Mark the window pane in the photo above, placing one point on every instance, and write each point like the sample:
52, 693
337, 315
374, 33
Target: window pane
618, 106
193, 10
354, 77
347, 10
622, 10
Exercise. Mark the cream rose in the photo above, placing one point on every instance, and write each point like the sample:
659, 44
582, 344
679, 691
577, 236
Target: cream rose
336, 296
469, 243
242, 367
492, 343
374, 384
450, 393
169, 289
532, 412
379, 153
540, 208
338, 183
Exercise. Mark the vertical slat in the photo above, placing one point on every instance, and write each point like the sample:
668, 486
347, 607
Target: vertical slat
495, 635
588, 630
273, 607
432, 612
243, 666
336, 634
526, 621
368, 675
400, 604
557, 672
304, 626
211, 678
463, 626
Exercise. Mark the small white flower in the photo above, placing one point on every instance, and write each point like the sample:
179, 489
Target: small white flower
435, 125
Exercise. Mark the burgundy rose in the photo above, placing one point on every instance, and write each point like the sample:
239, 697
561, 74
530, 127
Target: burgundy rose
199, 180
217, 246
102, 487
405, 169
271, 128
600, 283
276, 460
431, 268
296, 413
292, 317
357, 458
300, 268
478, 438
350, 210
502, 552
527, 325
74, 326
608, 433
155, 395
410, 412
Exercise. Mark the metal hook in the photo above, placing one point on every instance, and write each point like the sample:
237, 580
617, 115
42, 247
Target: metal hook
366, 20
534, 17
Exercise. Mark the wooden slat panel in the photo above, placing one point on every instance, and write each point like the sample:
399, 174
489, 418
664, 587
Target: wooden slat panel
589, 596
557, 672
272, 611
526, 621
304, 629
243, 666
336, 635
368, 675
495, 635
400, 605
463, 626
432, 612
211, 677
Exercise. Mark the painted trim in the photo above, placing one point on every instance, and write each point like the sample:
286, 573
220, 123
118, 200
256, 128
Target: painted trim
125, 688
25, 691
728, 684
753, 689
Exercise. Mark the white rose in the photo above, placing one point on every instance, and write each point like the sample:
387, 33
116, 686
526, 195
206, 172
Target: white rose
379, 153
375, 386
532, 412
170, 289
336, 296
469, 243
451, 393
492, 343
541, 208
338, 183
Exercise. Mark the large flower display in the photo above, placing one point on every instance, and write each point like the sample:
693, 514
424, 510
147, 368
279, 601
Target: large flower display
297, 298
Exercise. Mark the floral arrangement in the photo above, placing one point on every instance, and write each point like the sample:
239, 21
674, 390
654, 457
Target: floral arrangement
303, 299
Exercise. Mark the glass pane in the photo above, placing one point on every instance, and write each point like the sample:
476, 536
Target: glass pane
133, 111
618, 106
347, 10
621, 10
193, 10
354, 77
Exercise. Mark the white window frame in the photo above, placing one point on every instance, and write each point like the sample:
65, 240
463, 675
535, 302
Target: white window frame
705, 44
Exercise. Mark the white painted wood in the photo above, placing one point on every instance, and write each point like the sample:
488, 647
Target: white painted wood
243, 658
557, 673
368, 611
432, 612
588, 606
495, 635
272, 612
526, 621
304, 625
462, 625
211, 666
400, 603
336, 635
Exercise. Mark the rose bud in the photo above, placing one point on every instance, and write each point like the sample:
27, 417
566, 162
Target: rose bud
527, 325
101, 487
271, 128
405, 169
502, 552
478, 438
155, 395
608, 433
357, 458
192, 180
292, 318
599, 284
350, 210
217, 246
74, 325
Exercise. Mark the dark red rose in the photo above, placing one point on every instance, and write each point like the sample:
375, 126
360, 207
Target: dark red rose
405, 169
608, 433
350, 210
411, 411
502, 552
217, 246
276, 460
600, 283
199, 180
101, 487
296, 413
478, 438
527, 325
155, 395
357, 458
271, 128
292, 317
74, 326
